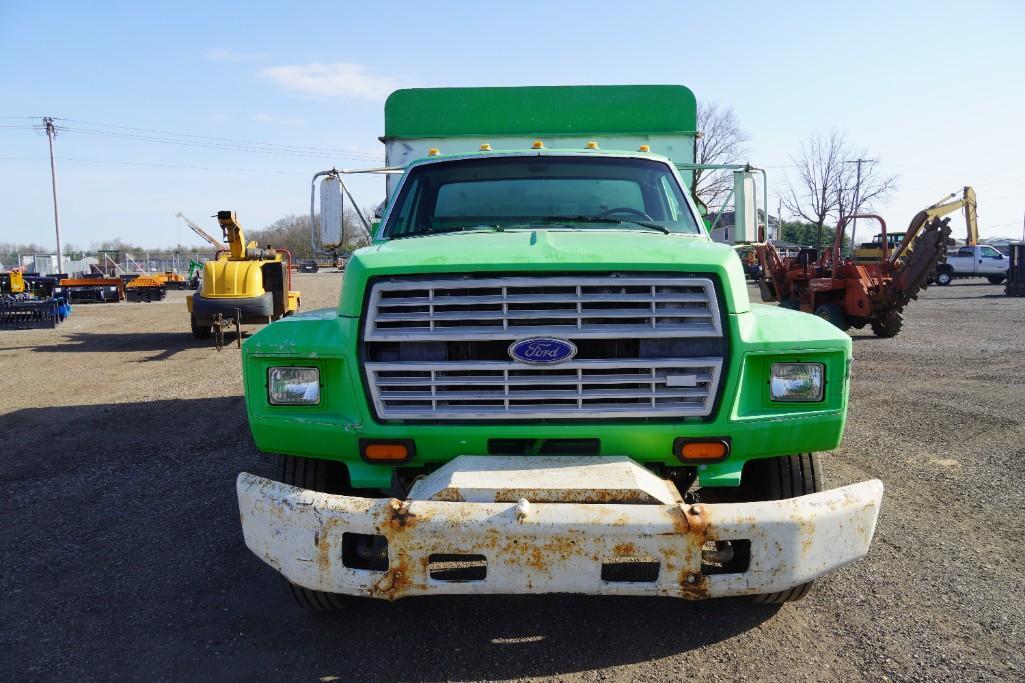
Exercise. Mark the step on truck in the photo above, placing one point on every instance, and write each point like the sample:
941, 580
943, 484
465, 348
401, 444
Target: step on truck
543, 376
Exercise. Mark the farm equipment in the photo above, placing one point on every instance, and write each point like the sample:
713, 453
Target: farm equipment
544, 376
94, 289
146, 288
243, 284
173, 280
851, 294
31, 302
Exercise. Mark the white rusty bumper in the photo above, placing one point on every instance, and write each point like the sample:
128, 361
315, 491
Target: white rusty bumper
555, 547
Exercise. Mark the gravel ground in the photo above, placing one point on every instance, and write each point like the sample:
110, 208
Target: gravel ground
122, 437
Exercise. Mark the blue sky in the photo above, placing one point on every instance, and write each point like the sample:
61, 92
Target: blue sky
935, 90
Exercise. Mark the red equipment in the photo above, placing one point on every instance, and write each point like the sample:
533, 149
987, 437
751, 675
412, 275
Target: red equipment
850, 294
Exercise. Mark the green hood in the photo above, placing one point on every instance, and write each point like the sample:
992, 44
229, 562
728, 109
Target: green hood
600, 250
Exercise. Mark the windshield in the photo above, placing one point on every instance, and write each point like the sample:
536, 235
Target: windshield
570, 192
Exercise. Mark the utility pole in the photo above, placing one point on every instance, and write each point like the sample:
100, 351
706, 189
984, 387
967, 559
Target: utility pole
779, 218
857, 195
51, 133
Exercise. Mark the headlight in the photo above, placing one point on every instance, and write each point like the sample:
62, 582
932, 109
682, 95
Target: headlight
797, 381
293, 386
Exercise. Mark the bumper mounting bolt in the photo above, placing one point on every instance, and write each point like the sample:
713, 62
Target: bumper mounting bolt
522, 509
692, 579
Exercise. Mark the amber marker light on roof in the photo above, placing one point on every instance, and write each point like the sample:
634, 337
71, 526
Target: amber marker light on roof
433, 152
644, 148
538, 145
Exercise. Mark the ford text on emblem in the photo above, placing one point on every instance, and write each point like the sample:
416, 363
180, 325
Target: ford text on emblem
542, 350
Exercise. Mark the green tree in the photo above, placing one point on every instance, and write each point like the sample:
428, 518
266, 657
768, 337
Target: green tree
806, 233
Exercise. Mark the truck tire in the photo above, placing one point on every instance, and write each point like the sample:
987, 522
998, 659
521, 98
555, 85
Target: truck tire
996, 279
327, 477
889, 325
833, 313
944, 277
200, 331
779, 478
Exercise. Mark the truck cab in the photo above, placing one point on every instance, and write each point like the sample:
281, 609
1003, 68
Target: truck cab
544, 376
973, 261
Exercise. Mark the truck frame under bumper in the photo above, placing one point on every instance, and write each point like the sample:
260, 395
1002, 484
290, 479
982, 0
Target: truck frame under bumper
522, 547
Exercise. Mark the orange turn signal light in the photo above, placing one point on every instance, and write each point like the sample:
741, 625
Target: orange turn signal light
395, 451
694, 449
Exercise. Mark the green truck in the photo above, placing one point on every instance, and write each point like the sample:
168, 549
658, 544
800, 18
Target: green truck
543, 376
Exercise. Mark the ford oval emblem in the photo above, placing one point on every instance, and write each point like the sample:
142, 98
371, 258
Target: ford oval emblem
542, 350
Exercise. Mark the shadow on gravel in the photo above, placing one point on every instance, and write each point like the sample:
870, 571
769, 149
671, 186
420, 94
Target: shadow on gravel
498, 637
166, 344
130, 563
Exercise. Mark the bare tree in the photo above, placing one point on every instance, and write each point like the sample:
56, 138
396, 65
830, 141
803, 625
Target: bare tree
828, 184
722, 142
814, 196
293, 233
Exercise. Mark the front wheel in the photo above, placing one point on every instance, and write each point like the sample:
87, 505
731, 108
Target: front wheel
889, 325
327, 477
944, 278
779, 478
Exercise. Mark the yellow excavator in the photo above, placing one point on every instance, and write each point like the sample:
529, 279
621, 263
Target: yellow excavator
243, 284
873, 251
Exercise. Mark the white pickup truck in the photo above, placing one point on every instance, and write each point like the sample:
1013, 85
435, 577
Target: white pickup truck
979, 261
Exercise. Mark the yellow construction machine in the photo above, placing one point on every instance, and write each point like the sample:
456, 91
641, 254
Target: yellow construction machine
243, 284
873, 251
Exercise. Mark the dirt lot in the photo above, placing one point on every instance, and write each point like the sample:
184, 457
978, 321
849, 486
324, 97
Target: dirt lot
122, 437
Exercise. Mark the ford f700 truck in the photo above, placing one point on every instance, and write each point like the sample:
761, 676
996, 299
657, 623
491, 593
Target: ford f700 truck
543, 376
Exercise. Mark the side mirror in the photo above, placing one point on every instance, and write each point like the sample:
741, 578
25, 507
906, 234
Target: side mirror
332, 231
745, 216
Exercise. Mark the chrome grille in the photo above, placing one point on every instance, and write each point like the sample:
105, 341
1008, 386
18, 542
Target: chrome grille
579, 388
584, 307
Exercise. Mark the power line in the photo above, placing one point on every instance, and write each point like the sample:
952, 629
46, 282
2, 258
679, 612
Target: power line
318, 149
156, 165
221, 146
115, 131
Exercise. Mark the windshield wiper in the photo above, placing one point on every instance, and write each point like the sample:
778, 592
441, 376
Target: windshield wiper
452, 228
604, 219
